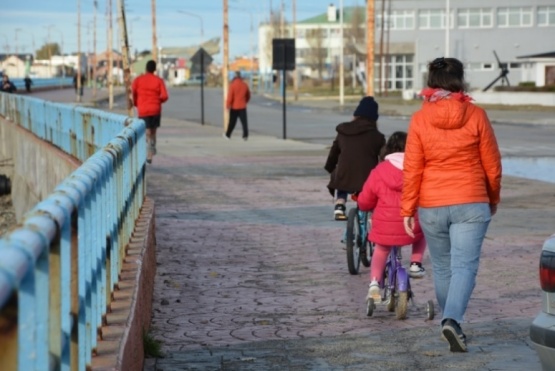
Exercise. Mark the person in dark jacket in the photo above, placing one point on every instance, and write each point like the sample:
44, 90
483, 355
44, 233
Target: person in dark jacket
7, 85
354, 153
28, 83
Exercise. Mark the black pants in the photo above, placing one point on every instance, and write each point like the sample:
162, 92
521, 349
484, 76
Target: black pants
233, 115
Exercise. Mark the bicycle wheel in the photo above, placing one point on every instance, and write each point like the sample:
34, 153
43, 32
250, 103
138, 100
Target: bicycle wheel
390, 299
366, 247
353, 237
402, 305
370, 307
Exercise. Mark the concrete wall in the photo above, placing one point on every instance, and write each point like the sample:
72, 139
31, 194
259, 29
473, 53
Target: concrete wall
35, 167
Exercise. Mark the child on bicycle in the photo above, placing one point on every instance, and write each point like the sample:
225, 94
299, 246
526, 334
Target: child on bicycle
353, 154
381, 194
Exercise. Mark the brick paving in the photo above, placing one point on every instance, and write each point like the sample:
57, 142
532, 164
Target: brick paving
252, 274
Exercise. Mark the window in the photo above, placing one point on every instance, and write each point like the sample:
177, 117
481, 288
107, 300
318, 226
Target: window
546, 16
514, 17
300, 33
475, 18
397, 72
433, 19
398, 20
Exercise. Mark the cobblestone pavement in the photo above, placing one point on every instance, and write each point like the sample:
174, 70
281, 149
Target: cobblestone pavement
252, 274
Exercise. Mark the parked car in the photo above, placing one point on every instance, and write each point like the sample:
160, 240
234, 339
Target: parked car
542, 330
195, 80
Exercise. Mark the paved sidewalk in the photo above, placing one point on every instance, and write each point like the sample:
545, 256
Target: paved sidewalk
252, 276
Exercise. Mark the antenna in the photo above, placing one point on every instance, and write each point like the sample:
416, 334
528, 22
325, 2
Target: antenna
502, 76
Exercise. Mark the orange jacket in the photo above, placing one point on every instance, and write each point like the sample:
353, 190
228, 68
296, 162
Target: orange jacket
451, 157
149, 92
238, 95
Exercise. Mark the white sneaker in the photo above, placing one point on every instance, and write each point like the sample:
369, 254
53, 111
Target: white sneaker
416, 270
225, 136
374, 292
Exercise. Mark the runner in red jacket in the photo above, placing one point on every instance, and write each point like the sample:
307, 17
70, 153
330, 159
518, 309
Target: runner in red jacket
149, 92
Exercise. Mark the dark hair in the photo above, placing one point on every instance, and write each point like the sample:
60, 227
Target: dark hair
395, 143
151, 66
447, 74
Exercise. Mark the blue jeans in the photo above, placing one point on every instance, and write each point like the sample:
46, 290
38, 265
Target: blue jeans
454, 235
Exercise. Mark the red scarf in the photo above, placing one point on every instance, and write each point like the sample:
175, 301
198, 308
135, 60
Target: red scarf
433, 95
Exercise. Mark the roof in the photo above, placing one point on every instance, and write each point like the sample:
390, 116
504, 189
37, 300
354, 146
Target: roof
541, 55
348, 12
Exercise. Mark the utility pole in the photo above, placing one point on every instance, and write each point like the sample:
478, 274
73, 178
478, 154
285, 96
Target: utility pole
94, 51
295, 72
341, 59
370, 47
387, 57
381, 46
225, 62
447, 19
79, 87
154, 39
110, 58
125, 56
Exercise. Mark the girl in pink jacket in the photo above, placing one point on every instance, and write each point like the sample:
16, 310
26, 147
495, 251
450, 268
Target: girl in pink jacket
381, 194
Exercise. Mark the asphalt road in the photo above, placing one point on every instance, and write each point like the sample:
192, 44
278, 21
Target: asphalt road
520, 133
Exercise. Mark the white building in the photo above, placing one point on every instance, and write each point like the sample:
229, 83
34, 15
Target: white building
417, 33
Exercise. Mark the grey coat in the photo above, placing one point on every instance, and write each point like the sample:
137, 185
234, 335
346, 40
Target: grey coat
354, 153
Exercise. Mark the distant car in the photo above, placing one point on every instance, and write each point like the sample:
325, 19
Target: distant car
542, 330
195, 80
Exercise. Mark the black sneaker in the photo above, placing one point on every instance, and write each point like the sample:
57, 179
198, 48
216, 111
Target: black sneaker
454, 335
339, 212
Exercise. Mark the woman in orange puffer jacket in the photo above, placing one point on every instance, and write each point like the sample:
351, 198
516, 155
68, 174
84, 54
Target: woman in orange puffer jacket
452, 174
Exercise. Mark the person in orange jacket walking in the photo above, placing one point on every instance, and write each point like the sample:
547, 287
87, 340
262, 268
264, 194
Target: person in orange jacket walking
452, 175
237, 98
149, 92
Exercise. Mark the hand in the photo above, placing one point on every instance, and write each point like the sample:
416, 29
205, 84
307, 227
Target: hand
408, 222
493, 209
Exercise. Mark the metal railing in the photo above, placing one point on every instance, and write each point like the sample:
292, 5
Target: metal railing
60, 266
54, 82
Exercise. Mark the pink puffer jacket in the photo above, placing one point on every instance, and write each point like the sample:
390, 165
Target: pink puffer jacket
381, 194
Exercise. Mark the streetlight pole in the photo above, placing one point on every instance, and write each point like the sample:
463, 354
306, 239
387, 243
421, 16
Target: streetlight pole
131, 43
94, 50
296, 71
61, 50
79, 87
447, 16
225, 62
49, 47
154, 39
16, 48
370, 8
201, 23
341, 60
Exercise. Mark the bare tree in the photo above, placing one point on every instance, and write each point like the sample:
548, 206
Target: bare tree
273, 31
355, 32
316, 54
